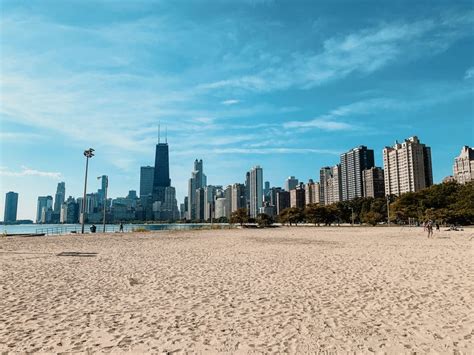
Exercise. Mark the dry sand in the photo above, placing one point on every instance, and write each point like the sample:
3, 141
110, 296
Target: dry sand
295, 290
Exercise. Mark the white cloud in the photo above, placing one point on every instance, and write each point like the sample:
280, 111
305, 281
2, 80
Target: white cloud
230, 102
321, 124
261, 151
364, 52
329, 120
22, 137
29, 172
469, 73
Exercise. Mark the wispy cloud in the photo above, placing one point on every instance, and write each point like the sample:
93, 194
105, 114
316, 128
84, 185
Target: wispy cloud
469, 73
230, 102
330, 121
21, 137
29, 172
364, 52
263, 151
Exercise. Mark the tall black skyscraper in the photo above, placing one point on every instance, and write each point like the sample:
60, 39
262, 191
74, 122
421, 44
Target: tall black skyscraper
11, 207
161, 179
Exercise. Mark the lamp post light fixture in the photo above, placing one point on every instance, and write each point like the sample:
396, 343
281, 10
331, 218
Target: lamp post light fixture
89, 153
106, 184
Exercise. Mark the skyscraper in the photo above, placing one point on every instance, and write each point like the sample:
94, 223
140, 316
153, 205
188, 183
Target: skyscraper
247, 191
330, 185
282, 200
324, 176
11, 207
373, 182
228, 200
59, 197
463, 169
200, 203
256, 190
220, 207
147, 174
161, 178
238, 197
407, 167
352, 164
209, 200
198, 180
297, 196
311, 192
45, 204
266, 191
69, 211
291, 183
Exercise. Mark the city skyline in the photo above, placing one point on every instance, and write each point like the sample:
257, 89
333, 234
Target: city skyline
253, 195
295, 87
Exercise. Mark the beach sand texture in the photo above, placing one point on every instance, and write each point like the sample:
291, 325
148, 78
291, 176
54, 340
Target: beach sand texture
298, 290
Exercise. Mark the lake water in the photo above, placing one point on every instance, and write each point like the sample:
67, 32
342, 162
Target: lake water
68, 228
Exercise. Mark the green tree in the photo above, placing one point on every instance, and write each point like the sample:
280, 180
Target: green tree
314, 213
372, 218
292, 215
239, 216
264, 220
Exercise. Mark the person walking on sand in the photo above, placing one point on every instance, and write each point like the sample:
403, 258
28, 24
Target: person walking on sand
429, 228
121, 227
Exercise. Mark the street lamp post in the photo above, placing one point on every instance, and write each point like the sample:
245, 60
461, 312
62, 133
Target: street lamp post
388, 209
106, 184
89, 153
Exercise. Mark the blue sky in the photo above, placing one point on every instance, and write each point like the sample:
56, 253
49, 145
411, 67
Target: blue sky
287, 85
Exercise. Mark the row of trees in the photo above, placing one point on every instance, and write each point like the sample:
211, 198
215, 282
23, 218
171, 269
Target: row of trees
450, 203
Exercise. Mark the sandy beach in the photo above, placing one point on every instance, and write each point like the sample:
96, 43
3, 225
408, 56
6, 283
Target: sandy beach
297, 290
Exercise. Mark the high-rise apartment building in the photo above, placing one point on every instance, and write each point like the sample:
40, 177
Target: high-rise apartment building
353, 163
59, 197
282, 200
147, 174
373, 182
297, 196
45, 203
238, 197
11, 207
311, 189
291, 183
256, 190
407, 167
463, 168
330, 185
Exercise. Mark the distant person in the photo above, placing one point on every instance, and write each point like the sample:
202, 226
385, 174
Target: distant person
429, 228
121, 227
93, 228
437, 226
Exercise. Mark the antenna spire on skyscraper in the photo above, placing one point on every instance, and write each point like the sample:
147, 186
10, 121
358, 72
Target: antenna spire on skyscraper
158, 132
166, 134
